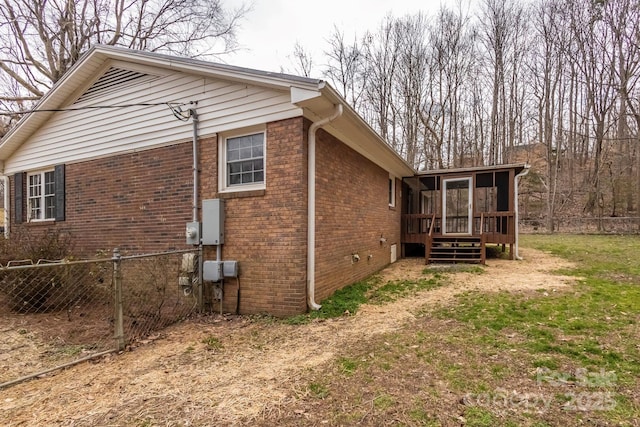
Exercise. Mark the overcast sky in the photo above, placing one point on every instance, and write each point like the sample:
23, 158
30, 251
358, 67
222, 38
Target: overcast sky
271, 29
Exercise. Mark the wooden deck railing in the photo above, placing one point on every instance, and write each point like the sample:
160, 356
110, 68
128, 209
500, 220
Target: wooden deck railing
483, 241
429, 240
416, 227
494, 227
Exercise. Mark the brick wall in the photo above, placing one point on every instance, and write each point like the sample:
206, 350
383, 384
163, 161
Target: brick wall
266, 230
138, 202
353, 213
141, 201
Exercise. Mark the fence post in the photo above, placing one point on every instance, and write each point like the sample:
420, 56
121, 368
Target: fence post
117, 290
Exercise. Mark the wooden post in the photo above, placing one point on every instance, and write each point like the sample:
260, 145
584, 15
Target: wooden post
117, 292
427, 249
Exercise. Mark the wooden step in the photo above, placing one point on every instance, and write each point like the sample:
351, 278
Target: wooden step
456, 249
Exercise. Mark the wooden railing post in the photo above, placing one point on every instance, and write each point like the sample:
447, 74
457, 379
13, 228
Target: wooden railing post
429, 240
483, 252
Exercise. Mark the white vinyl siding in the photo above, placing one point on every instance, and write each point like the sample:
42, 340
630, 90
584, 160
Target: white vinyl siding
73, 136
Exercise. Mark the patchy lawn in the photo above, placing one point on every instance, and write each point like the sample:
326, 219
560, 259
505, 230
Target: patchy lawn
551, 340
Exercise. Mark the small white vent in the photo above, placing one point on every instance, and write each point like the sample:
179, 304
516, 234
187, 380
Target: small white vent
114, 78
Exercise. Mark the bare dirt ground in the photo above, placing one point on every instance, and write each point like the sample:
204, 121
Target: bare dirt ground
37, 342
237, 371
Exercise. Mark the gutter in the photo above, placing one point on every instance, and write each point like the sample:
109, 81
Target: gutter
311, 206
516, 181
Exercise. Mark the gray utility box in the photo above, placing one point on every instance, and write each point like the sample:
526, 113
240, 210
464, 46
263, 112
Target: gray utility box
212, 271
230, 268
213, 222
215, 271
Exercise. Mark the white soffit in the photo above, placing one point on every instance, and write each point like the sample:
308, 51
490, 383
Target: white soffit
299, 94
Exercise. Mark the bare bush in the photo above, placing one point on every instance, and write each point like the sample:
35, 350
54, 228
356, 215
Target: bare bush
45, 289
152, 297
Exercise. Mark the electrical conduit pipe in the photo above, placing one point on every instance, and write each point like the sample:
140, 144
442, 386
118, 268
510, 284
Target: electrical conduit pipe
311, 206
195, 120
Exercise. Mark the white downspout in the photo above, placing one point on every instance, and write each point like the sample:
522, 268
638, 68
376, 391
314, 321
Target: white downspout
311, 206
7, 207
516, 180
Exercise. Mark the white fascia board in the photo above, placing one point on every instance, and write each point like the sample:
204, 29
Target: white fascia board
53, 99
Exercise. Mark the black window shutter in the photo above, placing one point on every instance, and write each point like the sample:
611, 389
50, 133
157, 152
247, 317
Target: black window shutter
58, 176
18, 182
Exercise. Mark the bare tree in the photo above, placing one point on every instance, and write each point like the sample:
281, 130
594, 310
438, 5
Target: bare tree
464, 90
547, 65
411, 81
501, 27
380, 51
595, 59
41, 39
301, 60
344, 66
625, 24
451, 62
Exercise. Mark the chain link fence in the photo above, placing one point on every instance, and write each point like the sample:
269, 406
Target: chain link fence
585, 225
53, 314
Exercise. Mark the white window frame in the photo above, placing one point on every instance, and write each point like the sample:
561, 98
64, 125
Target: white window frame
42, 197
392, 192
223, 184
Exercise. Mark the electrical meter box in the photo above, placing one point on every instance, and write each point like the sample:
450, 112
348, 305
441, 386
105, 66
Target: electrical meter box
213, 222
193, 233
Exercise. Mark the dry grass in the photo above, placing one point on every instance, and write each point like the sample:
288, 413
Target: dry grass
235, 371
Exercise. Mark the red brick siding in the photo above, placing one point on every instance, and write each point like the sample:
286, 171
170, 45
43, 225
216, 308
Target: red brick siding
266, 230
138, 202
141, 201
352, 215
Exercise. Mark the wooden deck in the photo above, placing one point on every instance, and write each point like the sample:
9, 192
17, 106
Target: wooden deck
487, 227
463, 210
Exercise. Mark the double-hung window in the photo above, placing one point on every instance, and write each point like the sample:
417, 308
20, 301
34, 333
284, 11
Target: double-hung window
41, 196
244, 161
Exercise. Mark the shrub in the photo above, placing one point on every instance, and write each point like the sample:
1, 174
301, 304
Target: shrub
26, 244
29, 290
